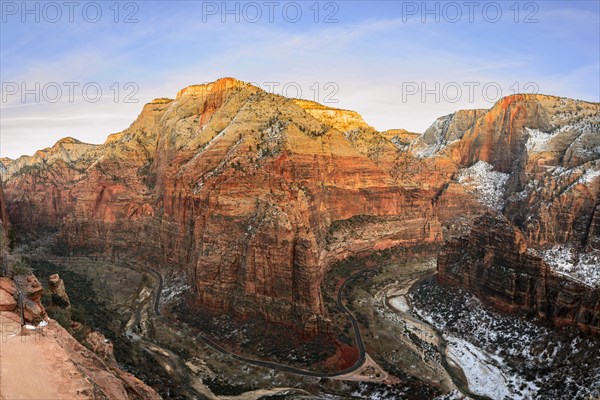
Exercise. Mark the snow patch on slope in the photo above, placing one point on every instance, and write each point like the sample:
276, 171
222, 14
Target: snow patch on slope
536, 362
399, 303
482, 376
582, 144
537, 140
175, 286
584, 268
437, 131
590, 175
486, 373
487, 185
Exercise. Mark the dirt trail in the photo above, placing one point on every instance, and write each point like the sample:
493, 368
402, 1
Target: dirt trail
36, 367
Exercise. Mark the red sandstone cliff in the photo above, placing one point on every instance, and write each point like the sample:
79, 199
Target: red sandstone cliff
535, 158
247, 192
493, 261
3, 214
237, 187
48, 362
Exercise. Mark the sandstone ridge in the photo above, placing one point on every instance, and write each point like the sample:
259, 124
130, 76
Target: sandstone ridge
252, 196
47, 362
237, 188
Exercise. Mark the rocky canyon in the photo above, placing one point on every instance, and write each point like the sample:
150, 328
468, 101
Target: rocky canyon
245, 191
250, 203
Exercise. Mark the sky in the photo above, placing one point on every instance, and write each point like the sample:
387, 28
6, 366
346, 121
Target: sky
84, 69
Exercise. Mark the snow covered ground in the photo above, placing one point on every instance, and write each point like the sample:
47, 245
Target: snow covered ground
590, 175
509, 357
399, 303
483, 377
584, 268
437, 131
538, 140
485, 183
175, 286
585, 174
486, 373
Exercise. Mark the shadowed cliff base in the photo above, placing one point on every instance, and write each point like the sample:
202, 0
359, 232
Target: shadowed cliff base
494, 262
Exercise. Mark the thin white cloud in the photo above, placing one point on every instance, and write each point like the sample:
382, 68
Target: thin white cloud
370, 78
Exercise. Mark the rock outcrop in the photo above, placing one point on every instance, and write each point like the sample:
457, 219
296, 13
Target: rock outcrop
493, 261
536, 160
57, 289
67, 150
30, 291
59, 305
445, 131
542, 155
8, 293
48, 362
102, 347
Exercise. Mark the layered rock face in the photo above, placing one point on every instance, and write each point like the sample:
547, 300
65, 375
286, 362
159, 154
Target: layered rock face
49, 362
535, 158
238, 188
4, 224
3, 214
494, 262
252, 196
444, 131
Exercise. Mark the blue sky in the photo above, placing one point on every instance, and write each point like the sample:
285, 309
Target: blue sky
375, 57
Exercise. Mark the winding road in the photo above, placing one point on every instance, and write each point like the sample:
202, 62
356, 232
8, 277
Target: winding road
273, 365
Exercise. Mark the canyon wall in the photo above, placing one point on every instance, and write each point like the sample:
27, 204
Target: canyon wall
3, 214
241, 191
493, 261
535, 158
533, 163
252, 196
545, 154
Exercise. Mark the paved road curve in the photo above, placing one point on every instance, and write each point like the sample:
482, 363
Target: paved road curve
273, 365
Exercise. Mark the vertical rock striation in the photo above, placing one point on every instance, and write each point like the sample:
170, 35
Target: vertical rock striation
240, 188
253, 196
493, 261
